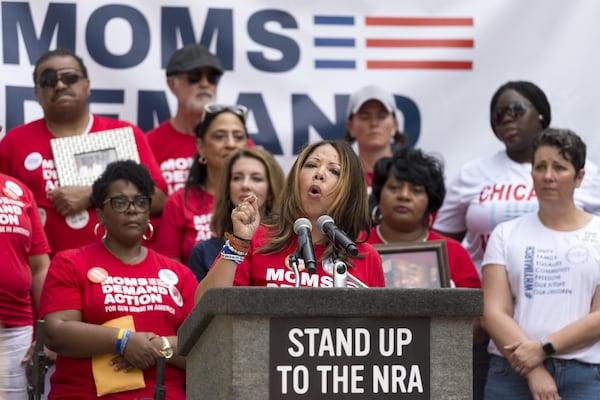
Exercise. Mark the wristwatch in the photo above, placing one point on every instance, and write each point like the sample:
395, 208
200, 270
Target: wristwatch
547, 346
166, 350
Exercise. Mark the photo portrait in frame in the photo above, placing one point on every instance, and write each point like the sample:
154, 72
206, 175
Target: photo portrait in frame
80, 160
415, 264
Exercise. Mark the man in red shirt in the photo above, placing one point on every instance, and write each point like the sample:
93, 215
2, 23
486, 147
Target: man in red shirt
193, 74
62, 88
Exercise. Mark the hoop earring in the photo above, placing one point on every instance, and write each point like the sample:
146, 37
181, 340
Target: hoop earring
375, 215
201, 159
98, 225
151, 232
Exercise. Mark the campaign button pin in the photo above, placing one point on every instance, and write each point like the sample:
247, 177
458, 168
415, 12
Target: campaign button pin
167, 276
175, 295
97, 274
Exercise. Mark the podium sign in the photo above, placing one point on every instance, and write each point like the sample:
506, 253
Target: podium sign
347, 358
249, 343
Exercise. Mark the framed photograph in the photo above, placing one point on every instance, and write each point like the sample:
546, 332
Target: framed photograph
80, 159
415, 264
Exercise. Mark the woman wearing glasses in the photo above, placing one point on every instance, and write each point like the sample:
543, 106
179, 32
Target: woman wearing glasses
114, 306
490, 190
323, 181
186, 216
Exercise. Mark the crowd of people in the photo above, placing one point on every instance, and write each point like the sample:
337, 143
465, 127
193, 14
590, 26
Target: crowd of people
114, 268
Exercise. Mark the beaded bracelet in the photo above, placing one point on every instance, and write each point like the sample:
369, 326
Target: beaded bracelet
228, 254
233, 250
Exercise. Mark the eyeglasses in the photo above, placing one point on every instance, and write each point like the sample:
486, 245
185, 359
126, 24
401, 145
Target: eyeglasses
237, 109
196, 75
49, 79
122, 203
515, 110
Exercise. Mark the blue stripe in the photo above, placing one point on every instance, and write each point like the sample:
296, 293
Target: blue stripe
347, 64
333, 20
334, 42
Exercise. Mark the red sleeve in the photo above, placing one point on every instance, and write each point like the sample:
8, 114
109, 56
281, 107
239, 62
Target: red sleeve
368, 269
61, 288
147, 158
39, 241
5, 155
375, 269
189, 286
170, 234
462, 270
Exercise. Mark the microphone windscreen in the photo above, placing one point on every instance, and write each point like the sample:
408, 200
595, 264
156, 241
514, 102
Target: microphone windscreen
322, 220
302, 223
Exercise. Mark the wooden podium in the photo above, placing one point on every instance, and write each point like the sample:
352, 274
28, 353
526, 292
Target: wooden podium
330, 343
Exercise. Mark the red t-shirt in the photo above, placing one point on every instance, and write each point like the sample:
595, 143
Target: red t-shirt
259, 269
185, 221
157, 292
21, 236
25, 153
174, 152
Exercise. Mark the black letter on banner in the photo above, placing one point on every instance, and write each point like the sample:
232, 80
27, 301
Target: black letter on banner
94, 36
60, 18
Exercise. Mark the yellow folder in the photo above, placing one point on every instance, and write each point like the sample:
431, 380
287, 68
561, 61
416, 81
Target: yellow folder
107, 379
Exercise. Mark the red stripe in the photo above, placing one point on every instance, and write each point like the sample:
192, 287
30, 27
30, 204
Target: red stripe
463, 43
420, 64
400, 21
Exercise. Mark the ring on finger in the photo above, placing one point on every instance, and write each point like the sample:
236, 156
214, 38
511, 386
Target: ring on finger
238, 207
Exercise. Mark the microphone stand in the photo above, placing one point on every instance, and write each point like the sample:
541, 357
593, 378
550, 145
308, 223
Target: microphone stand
160, 391
294, 263
37, 367
159, 388
341, 275
340, 272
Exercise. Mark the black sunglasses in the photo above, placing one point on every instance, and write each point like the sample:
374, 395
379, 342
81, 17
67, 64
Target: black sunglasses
196, 75
49, 78
515, 110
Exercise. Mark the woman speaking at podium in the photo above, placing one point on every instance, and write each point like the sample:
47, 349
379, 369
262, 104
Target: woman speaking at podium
326, 179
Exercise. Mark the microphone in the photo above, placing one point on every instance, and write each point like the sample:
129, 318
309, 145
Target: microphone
303, 228
337, 236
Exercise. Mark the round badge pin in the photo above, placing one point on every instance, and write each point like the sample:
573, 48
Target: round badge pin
13, 189
97, 274
33, 161
10, 194
167, 276
175, 295
79, 220
43, 215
